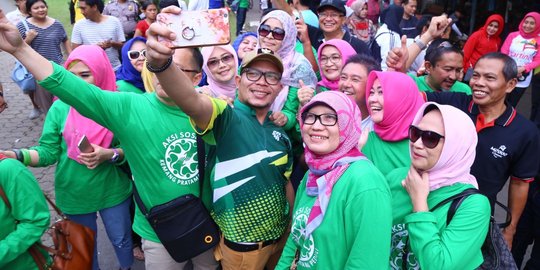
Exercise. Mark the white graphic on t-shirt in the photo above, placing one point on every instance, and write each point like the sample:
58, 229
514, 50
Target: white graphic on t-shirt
277, 135
181, 163
499, 152
308, 252
233, 166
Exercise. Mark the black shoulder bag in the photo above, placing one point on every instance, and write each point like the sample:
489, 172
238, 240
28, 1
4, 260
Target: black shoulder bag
497, 255
183, 225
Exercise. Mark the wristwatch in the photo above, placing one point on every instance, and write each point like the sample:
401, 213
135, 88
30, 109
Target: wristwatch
115, 156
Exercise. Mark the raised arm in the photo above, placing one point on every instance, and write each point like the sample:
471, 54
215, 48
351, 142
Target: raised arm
173, 80
12, 43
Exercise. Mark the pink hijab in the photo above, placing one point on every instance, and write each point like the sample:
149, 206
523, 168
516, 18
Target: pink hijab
77, 125
220, 88
401, 102
346, 51
459, 149
536, 31
325, 170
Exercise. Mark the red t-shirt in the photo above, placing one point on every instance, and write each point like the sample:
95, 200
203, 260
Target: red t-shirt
142, 25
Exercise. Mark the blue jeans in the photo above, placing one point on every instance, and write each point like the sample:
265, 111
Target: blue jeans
117, 224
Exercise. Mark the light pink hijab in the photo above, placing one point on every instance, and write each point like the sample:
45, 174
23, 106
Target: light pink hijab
325, 171
401, 102
345, 50
219, 88
77, 125
459, 149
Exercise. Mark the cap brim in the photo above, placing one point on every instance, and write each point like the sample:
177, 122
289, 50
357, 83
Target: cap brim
264, 57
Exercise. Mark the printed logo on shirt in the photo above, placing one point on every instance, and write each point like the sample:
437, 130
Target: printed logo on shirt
308, 253
398, 242
276, 134
499, 152
181, 163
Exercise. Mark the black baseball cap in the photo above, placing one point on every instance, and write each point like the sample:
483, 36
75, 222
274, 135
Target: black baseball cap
338, 5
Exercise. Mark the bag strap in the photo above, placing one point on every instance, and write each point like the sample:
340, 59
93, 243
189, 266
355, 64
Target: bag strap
25, 25
456, 202
4, 197
201, 157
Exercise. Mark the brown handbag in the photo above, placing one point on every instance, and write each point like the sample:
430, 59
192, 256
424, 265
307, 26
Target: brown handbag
73, 244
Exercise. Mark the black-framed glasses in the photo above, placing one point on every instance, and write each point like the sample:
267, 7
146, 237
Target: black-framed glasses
326, 119
277, 33
430, 139
214, 62
134, 54
254, 75
334, 58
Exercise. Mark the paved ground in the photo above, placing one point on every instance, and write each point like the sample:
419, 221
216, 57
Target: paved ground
16, 131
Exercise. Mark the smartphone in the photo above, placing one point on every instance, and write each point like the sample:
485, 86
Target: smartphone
198, 28
85, 146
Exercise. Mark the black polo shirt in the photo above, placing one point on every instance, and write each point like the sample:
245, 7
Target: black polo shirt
507, 147
316, 36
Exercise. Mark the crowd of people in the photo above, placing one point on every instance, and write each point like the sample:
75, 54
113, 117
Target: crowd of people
331, 134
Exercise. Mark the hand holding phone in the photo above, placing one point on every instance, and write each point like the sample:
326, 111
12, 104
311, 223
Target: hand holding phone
198, 28
85, 146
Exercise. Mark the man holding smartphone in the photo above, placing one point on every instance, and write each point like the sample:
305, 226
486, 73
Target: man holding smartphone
250, 158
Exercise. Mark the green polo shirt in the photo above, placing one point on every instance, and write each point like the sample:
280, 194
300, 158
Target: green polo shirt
249, 165
424, 87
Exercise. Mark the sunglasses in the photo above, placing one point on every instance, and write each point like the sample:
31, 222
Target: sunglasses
134, 55
277, 33
430, 139
214, 62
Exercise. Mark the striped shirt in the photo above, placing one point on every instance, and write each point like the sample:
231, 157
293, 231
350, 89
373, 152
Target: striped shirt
48, 40
87, 32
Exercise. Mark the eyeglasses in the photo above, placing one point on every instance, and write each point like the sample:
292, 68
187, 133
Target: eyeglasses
334, 58
430, 139
271, 78
214, 62
325, 15
277, 33
134, 55
326, 119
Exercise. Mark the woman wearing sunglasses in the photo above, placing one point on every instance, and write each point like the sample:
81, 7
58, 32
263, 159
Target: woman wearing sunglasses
443, 148
128, 75
277, 32
392, 100
342, 215
332, 56
220, 64
86, 181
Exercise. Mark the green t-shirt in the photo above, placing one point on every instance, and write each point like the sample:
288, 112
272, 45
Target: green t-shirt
387, 155
250, 165
23, 224
158, 140
78, 190
424, 87
355, 231
432, 244
124, 86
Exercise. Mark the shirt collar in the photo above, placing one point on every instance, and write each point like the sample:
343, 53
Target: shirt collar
239, 105
504, 120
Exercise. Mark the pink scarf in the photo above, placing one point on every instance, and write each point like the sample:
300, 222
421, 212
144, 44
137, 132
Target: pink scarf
459, 149
325, 171
536, 31
220, 88
401, 102
77, 125
345, 50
